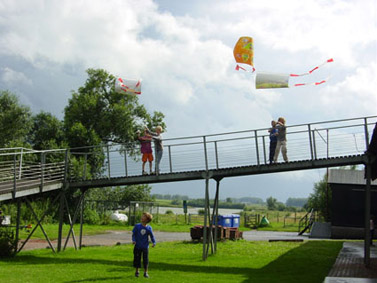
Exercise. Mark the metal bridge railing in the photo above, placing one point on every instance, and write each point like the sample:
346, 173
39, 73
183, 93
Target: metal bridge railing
22, 168
312, 141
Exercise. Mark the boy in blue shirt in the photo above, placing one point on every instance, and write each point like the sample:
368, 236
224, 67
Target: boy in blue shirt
140, 234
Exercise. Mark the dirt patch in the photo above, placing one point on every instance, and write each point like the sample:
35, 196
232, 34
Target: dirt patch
108, 239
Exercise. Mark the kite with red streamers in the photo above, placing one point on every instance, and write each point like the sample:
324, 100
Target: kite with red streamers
128, 86
244, 53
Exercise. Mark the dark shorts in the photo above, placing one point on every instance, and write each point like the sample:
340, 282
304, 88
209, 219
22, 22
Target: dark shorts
137, 257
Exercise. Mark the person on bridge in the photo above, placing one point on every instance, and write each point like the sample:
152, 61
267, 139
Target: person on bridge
273, 139
158, 147
140, 238
282, 140
146, 150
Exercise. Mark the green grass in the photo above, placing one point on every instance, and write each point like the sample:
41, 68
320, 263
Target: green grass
235, 261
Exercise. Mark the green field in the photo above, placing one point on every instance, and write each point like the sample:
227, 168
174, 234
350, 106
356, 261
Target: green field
235, 261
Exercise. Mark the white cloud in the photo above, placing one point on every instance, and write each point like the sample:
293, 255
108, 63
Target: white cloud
356, 92
13, 78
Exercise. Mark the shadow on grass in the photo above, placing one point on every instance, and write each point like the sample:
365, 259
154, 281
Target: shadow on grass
309, 262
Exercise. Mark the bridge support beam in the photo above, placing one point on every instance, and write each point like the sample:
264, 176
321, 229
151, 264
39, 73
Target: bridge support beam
210, 231
78, 210
61, 219
39, 223
367, 215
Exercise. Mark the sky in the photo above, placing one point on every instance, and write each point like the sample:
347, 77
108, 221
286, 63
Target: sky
183, 51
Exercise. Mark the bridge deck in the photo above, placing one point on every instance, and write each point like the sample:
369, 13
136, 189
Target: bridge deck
221, 173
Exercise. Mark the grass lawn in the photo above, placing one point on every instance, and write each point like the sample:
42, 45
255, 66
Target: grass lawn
235, 261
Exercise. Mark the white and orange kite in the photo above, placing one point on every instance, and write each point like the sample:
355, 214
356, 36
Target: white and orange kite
128, 86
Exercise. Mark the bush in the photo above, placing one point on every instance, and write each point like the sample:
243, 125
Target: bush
7, 243
91, 216
169, 212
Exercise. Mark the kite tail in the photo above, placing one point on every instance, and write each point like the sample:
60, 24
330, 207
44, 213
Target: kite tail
314, 83
312, 70
238, 67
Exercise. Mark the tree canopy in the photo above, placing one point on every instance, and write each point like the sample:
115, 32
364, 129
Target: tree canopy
15, 120
96, 113
46, 132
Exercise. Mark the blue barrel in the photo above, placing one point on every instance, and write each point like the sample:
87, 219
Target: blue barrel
235, 220
225, 220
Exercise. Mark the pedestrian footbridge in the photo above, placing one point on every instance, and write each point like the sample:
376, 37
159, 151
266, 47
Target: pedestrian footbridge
25, 172
324, 144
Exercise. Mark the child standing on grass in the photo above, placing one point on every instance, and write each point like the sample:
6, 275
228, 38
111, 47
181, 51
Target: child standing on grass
140, 234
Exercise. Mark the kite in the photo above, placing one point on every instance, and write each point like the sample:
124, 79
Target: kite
244, 52
271, 80
128, 86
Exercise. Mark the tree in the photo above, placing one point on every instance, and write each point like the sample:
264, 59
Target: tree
120, 196
271, 203
297, 202
15, 120
46, 132
96, 113
319, 199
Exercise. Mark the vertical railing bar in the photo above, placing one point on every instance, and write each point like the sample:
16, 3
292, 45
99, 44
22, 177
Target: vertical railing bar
216, 155
205, 152
108, 161
328, 143
256, 145
310, 142
20, 169
264, 149
14, 176
43, 163
66, 166
366, 133
314, 145
125, 162
170, 161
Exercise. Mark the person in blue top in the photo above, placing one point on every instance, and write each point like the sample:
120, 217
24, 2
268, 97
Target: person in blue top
273, 139
140, 238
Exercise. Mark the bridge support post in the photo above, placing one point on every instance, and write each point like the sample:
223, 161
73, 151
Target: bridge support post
215, 213
61, 219
367, 215
81, 216
18, 224
206, 214
210, 230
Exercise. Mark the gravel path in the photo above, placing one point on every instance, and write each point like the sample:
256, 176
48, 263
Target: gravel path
124, 237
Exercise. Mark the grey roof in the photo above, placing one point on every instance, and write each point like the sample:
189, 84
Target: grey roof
356, 177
